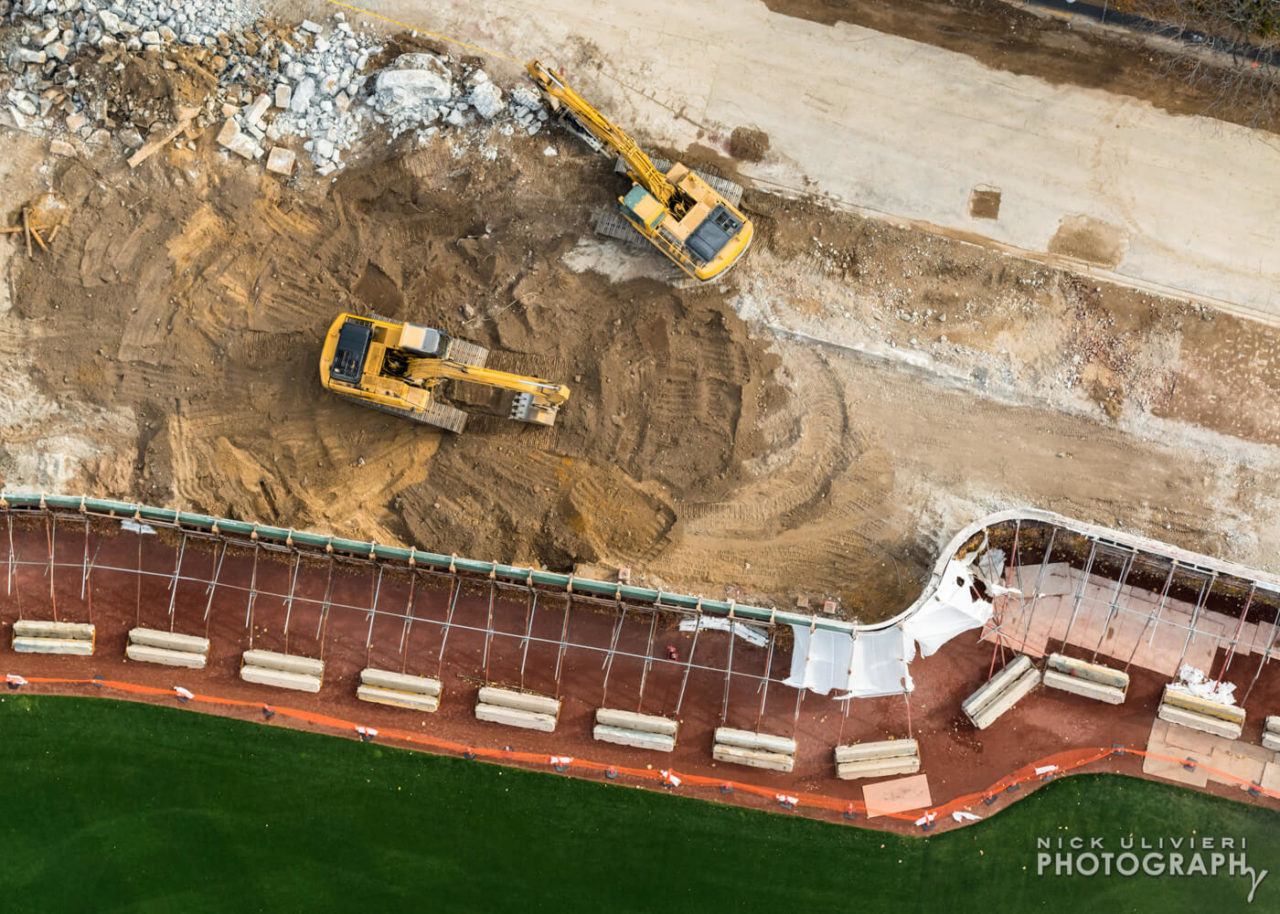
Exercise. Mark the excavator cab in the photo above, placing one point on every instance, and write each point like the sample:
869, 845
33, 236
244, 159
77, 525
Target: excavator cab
424, 374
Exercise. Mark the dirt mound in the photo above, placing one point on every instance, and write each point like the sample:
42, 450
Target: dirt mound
748, 144
199, 294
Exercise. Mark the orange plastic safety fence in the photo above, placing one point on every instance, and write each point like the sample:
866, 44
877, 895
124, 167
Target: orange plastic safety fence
1050, 766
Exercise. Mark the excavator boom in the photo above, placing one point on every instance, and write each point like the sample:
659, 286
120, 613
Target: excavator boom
427, 371
607, 133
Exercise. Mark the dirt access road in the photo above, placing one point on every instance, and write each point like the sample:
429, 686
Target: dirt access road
1182, 205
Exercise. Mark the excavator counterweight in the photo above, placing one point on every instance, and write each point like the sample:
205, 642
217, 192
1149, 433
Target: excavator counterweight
420, 373
680, 214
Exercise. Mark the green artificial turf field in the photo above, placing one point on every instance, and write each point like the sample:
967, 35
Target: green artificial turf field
115, 806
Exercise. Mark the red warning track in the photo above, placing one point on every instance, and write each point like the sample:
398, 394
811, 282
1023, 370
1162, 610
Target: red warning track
469, 632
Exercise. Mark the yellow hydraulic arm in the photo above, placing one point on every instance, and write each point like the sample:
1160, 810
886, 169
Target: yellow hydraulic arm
642, 169
426, 371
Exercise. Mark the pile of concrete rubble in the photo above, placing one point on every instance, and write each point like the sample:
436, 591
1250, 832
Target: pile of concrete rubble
86, 72
423, 91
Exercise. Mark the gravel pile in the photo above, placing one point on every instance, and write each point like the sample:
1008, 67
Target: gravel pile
88, 72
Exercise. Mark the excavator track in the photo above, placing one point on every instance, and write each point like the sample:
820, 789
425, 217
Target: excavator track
612, 224
466, 353
436, 414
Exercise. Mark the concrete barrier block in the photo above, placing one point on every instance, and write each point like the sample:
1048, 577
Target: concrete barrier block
747, 739
521, 701
145, 653
516, 717
753, 758
74, 646
1093, 672
1077, 685
892, 748
398, 698
1184, 718
280, 679
400, 682
1203, 706
630, 720
172, 641
878, 767
64, 631
1271, 741
993, 709
1272, 724
638, 739
286, 663
991, 689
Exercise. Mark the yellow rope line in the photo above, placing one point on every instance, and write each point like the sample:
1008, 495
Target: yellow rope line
480, 49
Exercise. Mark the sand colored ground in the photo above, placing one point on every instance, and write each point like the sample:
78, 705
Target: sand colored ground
807, 428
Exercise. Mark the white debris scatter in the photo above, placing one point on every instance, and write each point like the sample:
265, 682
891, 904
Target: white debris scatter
253, 82
1196, 682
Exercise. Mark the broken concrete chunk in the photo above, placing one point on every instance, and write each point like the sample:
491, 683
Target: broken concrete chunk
486, 98
244, 146
302, 95
76, 121
281, 160
430, 81
284, 92
26, 55
23, 102
229, 133
62, 148
259, 107
314, 28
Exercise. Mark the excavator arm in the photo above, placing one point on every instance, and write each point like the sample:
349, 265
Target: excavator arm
426, 372
607, 133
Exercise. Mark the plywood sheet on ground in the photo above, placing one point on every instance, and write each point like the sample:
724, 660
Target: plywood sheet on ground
898, 795
1190, 740
1170, 768
1271, 776
1238, 760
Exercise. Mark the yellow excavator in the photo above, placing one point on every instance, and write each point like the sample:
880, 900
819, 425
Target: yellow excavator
420, 373
679, 211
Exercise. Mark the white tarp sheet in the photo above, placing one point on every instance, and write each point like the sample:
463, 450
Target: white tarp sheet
871, 664
865, 666
953, 608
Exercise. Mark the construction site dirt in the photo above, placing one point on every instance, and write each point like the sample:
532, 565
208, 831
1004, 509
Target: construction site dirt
321, 608
808, 428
